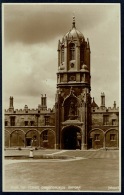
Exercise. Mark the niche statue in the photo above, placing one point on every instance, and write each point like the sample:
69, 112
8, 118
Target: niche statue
72, 110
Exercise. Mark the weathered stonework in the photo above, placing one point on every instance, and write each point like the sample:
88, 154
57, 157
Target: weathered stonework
75, 122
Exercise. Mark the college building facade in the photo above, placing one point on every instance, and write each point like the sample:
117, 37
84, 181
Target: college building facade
76, 121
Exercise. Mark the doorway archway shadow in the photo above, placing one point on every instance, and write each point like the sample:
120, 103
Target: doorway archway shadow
71, 138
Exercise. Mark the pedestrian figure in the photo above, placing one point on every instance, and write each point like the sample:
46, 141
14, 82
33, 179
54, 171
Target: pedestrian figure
31, 142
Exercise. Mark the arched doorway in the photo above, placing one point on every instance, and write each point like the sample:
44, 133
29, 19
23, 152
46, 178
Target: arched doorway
71, 138
96, 138
32, 138
47, 139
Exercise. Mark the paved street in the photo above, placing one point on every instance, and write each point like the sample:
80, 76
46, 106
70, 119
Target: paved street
96, 170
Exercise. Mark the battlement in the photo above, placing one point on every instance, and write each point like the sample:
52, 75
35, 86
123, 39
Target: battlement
41, 109
105, 109
27, 111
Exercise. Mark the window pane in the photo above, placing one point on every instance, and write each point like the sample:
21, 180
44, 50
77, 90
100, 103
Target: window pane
105, 120
112, 137
97, 136
12, 121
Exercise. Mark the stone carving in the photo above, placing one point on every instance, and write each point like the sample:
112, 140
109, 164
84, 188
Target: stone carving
72, 109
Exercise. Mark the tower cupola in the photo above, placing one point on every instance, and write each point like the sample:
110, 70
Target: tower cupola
73, 59
74, 34
73, 101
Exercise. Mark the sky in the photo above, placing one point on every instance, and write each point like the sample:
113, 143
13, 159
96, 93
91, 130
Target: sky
30, 40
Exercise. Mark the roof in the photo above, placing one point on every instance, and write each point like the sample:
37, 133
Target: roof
74, 33
93, 104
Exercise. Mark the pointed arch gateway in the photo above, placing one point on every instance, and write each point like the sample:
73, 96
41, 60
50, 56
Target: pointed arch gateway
71, 138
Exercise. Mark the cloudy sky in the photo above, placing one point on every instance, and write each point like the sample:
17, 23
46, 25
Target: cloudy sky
30, 39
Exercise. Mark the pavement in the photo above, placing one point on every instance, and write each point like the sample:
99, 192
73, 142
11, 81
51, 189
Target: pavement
89, 170
112, 154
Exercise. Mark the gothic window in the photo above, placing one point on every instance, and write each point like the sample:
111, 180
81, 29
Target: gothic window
62, 54
72, 51
12, 121
97, 137
105, 120
112, 137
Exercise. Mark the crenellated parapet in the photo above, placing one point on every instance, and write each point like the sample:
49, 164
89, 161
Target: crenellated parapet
42, 108
104, 109
28, 111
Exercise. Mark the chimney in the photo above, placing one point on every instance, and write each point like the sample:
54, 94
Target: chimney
26, 108
11, 108
43, 102
114, 104
102, 99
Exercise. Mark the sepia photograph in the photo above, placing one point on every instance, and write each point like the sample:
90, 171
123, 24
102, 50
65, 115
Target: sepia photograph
61, 96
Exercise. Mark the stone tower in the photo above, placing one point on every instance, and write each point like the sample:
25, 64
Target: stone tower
73, 101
